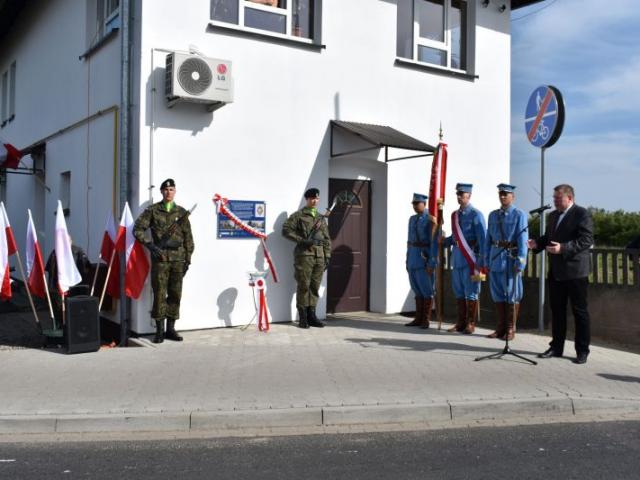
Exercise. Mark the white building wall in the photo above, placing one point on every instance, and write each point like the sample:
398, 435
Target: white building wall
273, 142
55, 90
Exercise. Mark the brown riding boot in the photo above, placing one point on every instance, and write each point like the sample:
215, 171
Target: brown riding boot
462, 317
472, 316
417, 321
501, 327
511, 320
426, 312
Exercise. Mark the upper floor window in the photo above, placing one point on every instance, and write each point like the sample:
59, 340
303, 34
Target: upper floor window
108, 16
291, 18
440, 33
436, 32
8, 89
103, 17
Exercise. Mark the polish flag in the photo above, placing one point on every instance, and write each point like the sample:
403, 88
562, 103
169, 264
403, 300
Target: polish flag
68, 274
9, 155
106, 249
7, 248
35, 265
136, 260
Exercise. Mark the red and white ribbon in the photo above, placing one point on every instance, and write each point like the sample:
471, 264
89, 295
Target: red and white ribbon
263, 315
221, 207
467, 251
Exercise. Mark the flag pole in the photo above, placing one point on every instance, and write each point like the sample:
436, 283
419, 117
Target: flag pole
46, 289
26, 284
95, 275
440, 267
106, 280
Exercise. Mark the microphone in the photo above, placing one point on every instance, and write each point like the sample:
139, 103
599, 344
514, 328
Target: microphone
539, 210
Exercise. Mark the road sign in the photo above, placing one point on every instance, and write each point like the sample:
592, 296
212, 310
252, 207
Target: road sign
544, 116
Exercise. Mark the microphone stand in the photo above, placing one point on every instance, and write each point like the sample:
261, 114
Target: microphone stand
507, 350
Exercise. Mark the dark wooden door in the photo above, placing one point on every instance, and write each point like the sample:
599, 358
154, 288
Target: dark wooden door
349, 225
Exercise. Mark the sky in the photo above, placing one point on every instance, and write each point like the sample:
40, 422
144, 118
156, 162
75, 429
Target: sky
590, 50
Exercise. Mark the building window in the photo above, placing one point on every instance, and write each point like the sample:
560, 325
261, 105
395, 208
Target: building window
104, 15
65, 192
440, 33
8, 109
436, 32
291, 18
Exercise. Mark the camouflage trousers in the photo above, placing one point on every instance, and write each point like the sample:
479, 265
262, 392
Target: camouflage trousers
166, 282
308, 274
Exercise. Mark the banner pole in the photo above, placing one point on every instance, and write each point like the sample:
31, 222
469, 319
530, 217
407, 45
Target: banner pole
46, 289
26, 285
95, 276
106, 280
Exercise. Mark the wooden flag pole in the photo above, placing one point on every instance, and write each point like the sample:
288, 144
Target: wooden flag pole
106, 280
440, 272
95, 276
26, 285
46, 289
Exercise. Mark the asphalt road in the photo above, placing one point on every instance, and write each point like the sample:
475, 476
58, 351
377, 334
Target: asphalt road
559, 451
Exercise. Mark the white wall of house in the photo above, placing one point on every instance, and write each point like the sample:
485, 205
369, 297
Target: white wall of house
54, 89
273, 142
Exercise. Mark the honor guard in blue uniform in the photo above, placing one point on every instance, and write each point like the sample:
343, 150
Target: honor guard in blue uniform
506, 258
468, 243
422, 258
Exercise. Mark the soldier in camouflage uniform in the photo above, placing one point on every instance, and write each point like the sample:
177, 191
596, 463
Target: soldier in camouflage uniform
308, 229
170, 257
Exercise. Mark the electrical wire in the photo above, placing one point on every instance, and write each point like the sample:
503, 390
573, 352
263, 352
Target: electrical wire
532, 13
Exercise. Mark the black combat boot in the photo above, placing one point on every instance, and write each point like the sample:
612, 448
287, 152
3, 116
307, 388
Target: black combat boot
159, 338
171, 331
302, 313
312, 319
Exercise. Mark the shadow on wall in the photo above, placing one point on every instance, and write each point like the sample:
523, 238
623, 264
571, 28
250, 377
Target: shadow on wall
226, 303
182, 116
279, 295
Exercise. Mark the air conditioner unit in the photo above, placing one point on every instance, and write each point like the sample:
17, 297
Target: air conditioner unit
196, 79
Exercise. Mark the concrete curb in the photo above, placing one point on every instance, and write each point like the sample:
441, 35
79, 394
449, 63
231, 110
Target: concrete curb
331, 416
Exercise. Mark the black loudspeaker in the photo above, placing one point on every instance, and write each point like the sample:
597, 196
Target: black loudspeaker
82, 324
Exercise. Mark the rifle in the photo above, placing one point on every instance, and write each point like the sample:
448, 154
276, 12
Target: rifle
316, 224
165, 241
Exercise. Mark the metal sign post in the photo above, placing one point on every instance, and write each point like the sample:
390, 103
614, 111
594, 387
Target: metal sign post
543, 123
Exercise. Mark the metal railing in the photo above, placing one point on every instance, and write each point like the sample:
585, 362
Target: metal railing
617, 267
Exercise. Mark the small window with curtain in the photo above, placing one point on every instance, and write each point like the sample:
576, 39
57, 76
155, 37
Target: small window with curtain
8, 99
296, 19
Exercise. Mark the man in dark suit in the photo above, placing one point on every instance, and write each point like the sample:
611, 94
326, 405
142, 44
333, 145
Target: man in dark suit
567, 239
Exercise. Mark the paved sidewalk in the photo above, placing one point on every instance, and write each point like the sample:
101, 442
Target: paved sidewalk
360, 369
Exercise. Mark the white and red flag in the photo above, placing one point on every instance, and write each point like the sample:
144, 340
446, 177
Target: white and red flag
107, 248
136, 260
35, 265
7, 248
9, 155
68, 274
438, 185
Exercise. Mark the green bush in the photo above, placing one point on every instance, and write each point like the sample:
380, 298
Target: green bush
610, 229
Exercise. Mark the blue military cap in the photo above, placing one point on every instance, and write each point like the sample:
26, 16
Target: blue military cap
505, 187
464, 187
419, 197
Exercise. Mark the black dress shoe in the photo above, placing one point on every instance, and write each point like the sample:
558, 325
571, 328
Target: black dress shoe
548, 353
581, 358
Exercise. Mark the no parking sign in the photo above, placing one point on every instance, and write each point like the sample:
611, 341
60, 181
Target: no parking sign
544, 116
